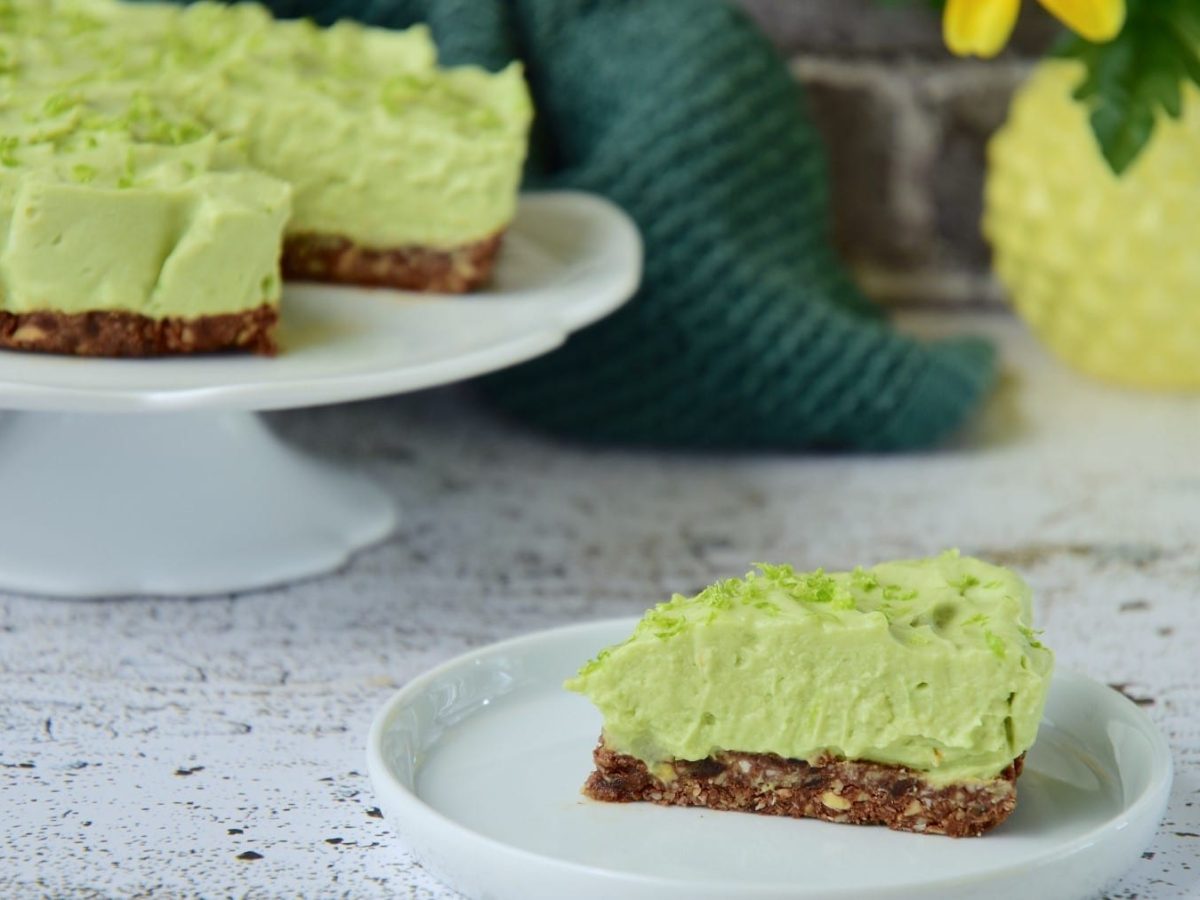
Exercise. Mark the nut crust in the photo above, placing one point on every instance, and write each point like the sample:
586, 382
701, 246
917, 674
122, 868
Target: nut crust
330, 258
112, 333
834, 790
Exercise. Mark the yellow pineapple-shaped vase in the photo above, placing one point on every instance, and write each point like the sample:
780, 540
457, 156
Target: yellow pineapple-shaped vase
1104, 268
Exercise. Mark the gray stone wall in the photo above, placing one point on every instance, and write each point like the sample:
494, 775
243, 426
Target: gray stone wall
906, 125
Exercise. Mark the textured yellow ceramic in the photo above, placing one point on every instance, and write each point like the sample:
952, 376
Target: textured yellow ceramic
1105, 269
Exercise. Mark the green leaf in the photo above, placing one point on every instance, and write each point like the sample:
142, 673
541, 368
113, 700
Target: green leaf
1185, 20
1130, 80
1122, 130
1186, 48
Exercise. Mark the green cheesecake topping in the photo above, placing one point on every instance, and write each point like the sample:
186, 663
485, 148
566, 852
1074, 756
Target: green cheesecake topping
930, 664
380, 144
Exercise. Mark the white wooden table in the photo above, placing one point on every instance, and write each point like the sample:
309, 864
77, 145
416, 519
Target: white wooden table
214, 747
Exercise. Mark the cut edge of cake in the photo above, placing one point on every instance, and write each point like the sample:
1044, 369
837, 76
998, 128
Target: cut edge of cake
338, 260
856, 792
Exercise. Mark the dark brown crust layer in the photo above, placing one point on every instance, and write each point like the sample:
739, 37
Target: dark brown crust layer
835, 790
329, 258
130, 334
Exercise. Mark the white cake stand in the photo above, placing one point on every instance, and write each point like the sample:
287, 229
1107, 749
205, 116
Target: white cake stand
155, 477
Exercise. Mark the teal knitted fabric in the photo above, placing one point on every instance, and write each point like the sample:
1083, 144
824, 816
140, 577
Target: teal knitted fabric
746, 331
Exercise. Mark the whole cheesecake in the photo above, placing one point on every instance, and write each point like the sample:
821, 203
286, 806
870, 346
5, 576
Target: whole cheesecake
269, 149
904, 695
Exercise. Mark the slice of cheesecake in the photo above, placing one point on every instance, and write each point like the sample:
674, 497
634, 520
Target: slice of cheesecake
904, 695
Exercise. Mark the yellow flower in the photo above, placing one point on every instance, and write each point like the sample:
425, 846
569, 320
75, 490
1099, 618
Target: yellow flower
982, 27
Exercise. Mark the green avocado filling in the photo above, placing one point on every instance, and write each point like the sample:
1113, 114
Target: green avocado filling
930, 664
116, 202
152, 155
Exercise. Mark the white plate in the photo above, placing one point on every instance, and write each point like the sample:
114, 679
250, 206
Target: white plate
568, 260
478, 766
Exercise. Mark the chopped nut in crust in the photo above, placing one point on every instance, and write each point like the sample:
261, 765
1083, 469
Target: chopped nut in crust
835, 801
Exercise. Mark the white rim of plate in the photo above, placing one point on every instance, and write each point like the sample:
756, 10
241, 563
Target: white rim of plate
380, 772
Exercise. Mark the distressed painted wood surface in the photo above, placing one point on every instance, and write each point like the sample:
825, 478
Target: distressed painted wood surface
214, 747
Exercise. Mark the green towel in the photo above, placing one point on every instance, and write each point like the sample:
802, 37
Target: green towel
746, 332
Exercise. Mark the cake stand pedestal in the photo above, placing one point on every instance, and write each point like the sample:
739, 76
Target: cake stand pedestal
155, 477
178, 503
